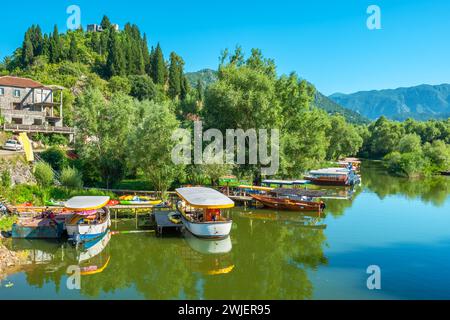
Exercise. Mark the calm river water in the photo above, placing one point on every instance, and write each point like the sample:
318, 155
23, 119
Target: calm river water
399, 225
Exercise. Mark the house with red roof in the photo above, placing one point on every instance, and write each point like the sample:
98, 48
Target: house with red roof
27, 102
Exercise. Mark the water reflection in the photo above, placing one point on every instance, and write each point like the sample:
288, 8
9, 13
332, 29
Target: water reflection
269, 254
264, 258
433, 189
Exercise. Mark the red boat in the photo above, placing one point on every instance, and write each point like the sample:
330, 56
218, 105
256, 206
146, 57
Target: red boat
291, 199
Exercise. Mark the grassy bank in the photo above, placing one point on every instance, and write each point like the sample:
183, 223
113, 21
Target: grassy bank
39, 195
7, 222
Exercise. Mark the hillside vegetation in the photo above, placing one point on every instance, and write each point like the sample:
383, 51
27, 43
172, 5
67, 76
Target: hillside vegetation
127, 100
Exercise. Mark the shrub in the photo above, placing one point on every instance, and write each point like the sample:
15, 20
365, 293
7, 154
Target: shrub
55, 157
43, 173
5, 179
71, 178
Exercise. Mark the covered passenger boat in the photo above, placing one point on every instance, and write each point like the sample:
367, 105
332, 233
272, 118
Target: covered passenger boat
90, 218
201, 214
292, 199
334, 177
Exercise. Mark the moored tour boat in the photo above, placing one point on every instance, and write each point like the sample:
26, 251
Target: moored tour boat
334, 177
90, 218
200, 210
291, 199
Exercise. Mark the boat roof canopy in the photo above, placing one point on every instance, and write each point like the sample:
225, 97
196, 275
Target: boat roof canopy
333, 171
86, 203
201, 197
285, 182
299, 192
255, 188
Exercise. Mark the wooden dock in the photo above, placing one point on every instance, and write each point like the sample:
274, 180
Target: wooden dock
163, 223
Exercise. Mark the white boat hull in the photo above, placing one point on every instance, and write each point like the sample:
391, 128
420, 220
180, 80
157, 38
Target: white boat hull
87, 231
208, 229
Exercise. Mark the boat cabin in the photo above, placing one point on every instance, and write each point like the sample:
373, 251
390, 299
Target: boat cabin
201, 204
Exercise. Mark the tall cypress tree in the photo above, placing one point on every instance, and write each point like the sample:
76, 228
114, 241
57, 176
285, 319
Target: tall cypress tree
46, 46
174, 76
55, 46
73, 50
158, 66
115, 63
27, 50
37, 40
106, 23
184, 87
146, 55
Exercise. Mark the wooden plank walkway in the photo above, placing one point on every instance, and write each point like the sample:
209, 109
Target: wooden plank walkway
163, 222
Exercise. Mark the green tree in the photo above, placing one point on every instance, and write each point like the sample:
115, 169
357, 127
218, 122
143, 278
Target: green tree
115, 63
385, 135
73, 50
175, 75
55, 157
102, 136
344, 139
106, 23
55, 46
27, 51
71, 178
44, 174
410, 143
151, 146
142, 87
158, 73
119, 84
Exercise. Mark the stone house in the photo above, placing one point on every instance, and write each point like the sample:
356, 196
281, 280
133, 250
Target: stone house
27, 102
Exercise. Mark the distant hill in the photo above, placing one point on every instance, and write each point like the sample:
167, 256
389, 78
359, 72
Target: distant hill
208, 76
420, 102
323, 102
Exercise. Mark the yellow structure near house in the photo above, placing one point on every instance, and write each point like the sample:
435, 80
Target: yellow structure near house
27, 147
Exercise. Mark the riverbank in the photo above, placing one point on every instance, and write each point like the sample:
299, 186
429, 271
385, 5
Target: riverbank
9, 261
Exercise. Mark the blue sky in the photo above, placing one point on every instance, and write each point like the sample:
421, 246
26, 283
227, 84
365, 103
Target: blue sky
326, 42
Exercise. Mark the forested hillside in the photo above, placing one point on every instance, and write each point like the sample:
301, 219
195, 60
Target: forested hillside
420, 102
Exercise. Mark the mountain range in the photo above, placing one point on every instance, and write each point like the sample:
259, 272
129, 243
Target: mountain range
421, 102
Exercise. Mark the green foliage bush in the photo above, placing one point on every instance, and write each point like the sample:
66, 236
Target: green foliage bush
5, 178
56, 157
43, 173
71, 178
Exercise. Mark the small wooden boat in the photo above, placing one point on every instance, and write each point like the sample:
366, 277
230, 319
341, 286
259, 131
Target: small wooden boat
90, 218
43, 225
292, 199
200, 210
37, 228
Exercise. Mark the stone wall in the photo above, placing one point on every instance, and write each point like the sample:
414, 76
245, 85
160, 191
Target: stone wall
19, 170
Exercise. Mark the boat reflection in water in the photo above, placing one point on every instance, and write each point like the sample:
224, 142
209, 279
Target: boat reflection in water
210, 257
54, 257
93, 256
